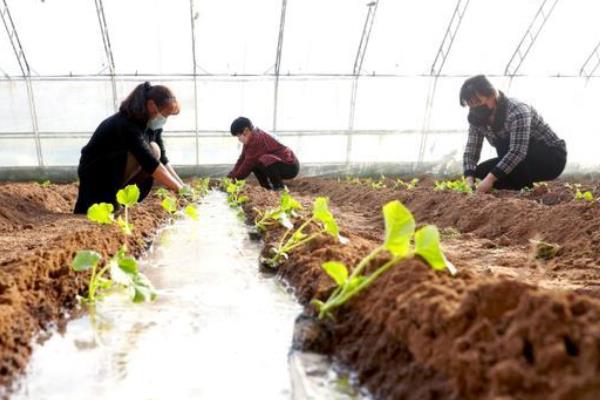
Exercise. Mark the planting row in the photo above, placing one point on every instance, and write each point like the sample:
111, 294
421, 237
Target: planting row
407, 331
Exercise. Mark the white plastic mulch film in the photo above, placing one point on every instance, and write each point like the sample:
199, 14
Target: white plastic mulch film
393, 103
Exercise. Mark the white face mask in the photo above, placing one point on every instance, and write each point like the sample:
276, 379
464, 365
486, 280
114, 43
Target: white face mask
157, 122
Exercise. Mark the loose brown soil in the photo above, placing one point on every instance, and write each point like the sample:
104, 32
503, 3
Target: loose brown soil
38, 237
509, 326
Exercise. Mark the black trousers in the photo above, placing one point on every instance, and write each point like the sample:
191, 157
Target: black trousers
542, 163
101, 181
271, 177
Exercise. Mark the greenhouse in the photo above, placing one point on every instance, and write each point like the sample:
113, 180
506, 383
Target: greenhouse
299, 199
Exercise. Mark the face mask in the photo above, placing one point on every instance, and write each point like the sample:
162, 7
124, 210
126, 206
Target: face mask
157, 122
480, 115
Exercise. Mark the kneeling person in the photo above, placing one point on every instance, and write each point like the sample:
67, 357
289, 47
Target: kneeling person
528, 149
262, 154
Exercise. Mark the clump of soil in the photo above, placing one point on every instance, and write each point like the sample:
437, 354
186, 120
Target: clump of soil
39, 236
492, 332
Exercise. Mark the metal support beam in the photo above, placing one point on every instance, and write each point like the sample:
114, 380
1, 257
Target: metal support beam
591, 64
448, 40
437, 67
278, 61
529, 38
357, 69
193, 17
107, 49
25, 71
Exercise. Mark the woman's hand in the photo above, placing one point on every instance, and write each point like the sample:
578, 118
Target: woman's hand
487, 184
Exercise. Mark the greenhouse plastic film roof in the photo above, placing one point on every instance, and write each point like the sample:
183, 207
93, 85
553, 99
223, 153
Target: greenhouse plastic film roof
340, 81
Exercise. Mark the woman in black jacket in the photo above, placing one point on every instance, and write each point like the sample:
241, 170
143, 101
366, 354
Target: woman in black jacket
127, 148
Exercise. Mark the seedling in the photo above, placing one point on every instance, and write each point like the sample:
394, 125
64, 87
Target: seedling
399, 237
579, 195
123, 270
234, 190
287, 208
162, 193
46, 184
459, 185
103, 213
406, 185
191, 211
325, 223
355, 181
169, 204
202, 186
127, 197
376, 183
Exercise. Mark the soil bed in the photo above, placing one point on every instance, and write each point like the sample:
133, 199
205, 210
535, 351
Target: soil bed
39, 235
509, 326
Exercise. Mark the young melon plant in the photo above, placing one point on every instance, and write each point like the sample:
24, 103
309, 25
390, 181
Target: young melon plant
401, 242
291, 239
123, 271
579, 195
234, 189
376, 183
355, 181
400, 184
122, 268
201, 186
287, 208
169, 204
162, 192
459, 185
127, 197
103, 213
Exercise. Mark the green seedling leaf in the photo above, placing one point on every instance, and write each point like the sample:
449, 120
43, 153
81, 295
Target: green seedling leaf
337, 271
242, 199
191, 211
169, 204
142, 289
288, 203
84, 260
399, 228
101, 213
46, 184
588, 196
186, 191
128, 265
321, 213
142, 294
128, 196
162, 193
427, 243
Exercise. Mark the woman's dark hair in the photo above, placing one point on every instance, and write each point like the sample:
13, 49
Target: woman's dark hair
475, 85
239, 124
134, 106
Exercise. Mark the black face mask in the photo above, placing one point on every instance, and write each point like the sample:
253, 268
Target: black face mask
480, 115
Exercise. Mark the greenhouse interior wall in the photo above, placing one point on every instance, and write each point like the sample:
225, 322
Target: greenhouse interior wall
398, 113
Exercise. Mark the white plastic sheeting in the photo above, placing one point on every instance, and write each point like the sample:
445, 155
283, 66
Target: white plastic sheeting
235, 46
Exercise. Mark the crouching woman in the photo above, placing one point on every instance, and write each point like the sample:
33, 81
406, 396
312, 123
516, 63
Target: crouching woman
127, 148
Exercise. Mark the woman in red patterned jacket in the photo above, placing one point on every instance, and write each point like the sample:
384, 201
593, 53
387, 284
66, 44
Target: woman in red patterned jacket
262, 154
